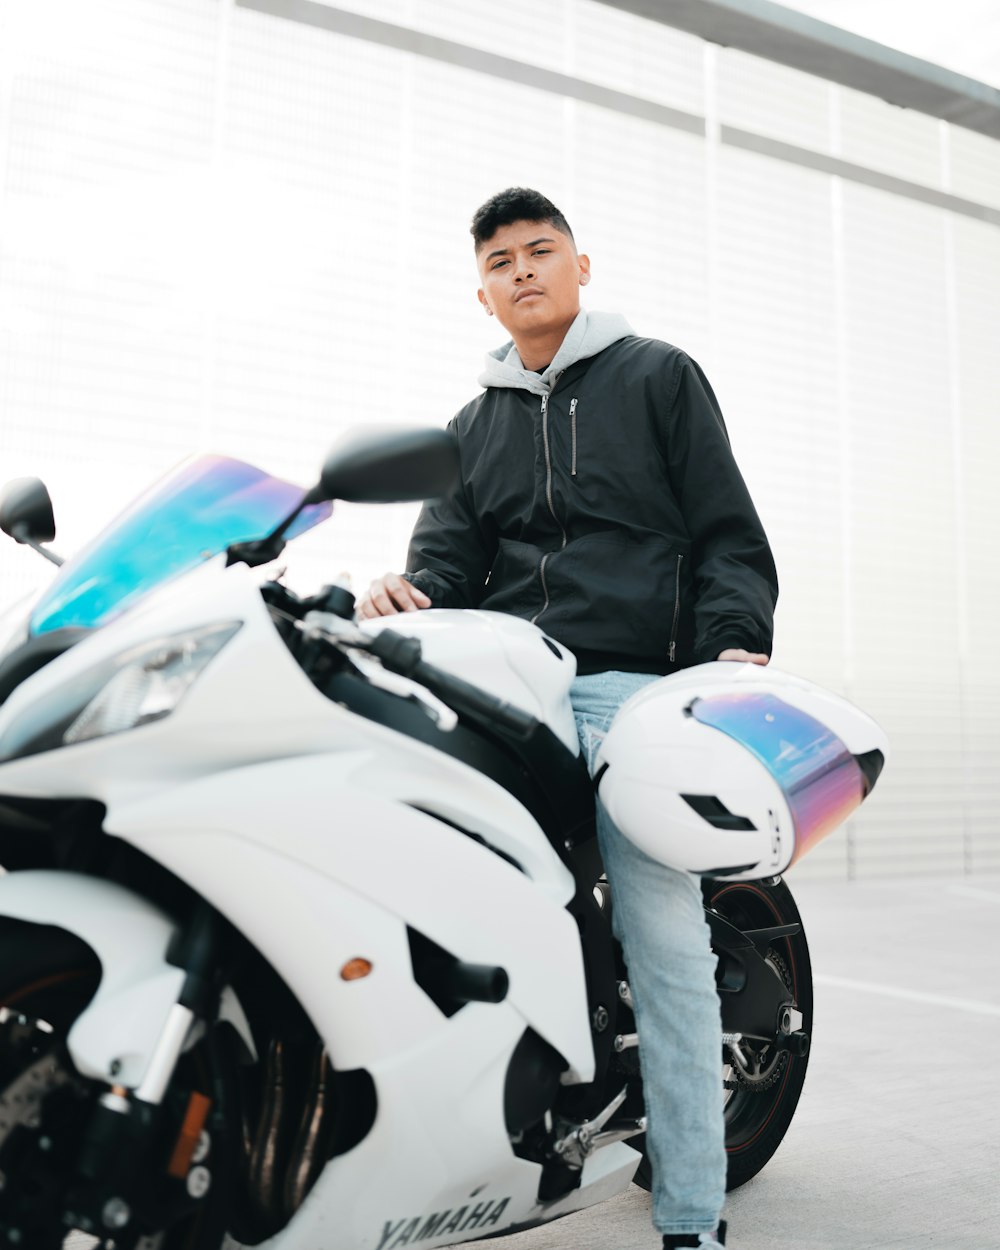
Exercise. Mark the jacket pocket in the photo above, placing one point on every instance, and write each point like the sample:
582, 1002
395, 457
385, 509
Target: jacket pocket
515, 583
619, 594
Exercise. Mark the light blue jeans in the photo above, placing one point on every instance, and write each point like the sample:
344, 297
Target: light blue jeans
659, 920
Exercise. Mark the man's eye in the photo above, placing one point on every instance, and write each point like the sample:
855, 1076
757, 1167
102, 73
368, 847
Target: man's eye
542, 251
497, 264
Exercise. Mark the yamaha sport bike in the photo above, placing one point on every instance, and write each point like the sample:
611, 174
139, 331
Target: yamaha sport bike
304, 937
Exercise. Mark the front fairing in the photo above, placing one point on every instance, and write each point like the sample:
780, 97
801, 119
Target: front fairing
111, 767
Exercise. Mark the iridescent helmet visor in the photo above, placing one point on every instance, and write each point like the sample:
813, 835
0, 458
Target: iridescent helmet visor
821, 780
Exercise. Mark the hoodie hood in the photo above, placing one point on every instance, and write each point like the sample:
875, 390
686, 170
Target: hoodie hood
589, 334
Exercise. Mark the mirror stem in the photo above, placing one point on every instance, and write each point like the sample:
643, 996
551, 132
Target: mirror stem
19, 534
264, 550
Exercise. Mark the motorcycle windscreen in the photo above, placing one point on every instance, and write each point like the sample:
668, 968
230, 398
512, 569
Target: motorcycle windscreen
820, 779
190, 516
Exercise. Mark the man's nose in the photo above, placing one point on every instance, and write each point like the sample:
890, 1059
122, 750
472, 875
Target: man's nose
523, 271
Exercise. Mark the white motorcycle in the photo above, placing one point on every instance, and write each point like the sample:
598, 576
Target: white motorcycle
304, 940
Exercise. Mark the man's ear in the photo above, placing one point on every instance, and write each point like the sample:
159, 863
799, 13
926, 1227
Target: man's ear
584, 262
482, 299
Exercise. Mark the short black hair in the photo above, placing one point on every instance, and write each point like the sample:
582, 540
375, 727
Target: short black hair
515, 204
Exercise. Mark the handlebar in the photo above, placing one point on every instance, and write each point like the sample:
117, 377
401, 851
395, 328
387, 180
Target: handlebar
402, 655
331, 610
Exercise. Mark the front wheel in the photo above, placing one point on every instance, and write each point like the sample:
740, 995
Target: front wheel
761, 1083
77, 1172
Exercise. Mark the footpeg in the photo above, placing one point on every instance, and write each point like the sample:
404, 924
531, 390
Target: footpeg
582, 1141
619, 1130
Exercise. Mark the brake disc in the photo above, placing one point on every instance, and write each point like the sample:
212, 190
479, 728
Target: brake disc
34, 1070
21, 1098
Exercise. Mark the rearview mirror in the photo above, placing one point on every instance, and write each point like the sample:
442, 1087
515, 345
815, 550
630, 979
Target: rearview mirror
26, 511
26, 515
387, 464
392, 464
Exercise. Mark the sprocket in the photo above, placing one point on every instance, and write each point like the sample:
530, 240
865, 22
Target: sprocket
767, 1064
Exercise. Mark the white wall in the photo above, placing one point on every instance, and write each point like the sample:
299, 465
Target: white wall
224, 230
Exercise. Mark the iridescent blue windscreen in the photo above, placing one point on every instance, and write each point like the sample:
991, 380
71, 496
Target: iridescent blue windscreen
820, 778
191, 515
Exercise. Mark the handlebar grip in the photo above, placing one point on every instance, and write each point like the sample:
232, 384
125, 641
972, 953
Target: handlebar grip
398, 653
463, 696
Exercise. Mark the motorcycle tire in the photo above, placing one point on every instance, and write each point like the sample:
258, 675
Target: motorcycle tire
47, 977
761, 1103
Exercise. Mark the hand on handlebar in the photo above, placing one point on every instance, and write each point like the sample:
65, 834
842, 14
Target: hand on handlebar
746, 657
388, 595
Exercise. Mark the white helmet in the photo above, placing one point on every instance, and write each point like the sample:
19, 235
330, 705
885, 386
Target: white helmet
735, 771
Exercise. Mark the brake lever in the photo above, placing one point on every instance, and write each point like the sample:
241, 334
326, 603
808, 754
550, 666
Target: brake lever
334, 628
346, 634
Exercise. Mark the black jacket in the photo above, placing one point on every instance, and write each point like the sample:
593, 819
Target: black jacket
611, 513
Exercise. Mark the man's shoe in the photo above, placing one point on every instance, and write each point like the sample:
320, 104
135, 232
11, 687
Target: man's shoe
680, 1241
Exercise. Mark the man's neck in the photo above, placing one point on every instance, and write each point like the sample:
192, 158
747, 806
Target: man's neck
539, 350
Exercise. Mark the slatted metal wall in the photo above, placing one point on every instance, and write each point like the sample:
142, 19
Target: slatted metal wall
223, 228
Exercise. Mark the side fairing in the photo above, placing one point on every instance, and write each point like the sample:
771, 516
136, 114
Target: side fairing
256, 771
329, 855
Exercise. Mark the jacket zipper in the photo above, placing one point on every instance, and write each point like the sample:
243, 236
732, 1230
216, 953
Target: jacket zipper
572, 428
672, 652
545, 589
548, 496
548, 466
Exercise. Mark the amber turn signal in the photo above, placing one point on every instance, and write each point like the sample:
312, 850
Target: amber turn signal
355, 969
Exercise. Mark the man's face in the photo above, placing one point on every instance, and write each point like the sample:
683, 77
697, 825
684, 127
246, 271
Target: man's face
531, 276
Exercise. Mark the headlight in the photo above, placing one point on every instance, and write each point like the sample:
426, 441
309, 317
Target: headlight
149, 683
137, 686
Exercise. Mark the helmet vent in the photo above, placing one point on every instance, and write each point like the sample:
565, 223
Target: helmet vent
712, 809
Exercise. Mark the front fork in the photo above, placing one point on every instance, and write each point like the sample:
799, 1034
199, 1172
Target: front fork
146, 1159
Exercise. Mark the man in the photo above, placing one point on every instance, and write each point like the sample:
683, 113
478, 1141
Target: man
599, 498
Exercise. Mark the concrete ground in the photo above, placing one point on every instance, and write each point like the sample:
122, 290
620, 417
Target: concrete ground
896, 1141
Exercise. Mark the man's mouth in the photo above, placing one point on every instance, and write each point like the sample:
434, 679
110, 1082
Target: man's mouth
526, 293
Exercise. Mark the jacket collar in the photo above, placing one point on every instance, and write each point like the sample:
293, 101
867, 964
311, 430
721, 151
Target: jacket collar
589, 334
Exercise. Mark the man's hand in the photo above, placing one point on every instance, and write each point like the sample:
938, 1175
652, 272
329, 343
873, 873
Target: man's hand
744, 657
391, 594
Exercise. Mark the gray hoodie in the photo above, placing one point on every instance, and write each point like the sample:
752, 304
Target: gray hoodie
589, 334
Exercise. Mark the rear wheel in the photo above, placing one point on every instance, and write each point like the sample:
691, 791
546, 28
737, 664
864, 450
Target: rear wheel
762, 1084
70, 1179
762, 1089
